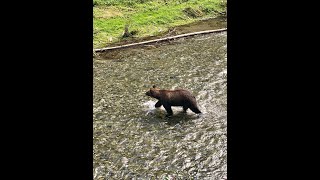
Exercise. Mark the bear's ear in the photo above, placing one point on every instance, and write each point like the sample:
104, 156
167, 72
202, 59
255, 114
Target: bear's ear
154, 86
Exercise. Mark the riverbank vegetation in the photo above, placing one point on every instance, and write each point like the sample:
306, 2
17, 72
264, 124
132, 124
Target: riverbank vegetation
117, 20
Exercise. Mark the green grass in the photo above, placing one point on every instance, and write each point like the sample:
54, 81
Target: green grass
147, 17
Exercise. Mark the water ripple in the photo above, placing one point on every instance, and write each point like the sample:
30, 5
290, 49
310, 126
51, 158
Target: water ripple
134, 140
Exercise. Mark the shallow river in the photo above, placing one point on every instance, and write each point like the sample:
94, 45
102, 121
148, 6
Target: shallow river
133, 140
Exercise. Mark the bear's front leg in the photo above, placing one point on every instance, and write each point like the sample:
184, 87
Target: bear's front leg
158, 104
168, 109
185, 108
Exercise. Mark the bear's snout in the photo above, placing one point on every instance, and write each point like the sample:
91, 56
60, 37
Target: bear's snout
148, 93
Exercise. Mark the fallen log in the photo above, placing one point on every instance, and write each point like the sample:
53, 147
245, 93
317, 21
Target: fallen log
159, 40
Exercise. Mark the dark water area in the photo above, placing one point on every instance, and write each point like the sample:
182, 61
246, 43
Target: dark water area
134, 140
207, 24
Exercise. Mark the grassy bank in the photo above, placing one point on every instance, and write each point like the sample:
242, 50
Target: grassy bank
147, 17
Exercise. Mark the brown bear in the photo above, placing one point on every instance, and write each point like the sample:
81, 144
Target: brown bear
177, 97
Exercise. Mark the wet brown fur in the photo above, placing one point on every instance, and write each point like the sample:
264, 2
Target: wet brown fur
177, 97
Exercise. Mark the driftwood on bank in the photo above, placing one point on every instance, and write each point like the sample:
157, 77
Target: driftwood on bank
159, 40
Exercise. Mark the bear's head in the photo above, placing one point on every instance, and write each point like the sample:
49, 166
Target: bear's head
153, 92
